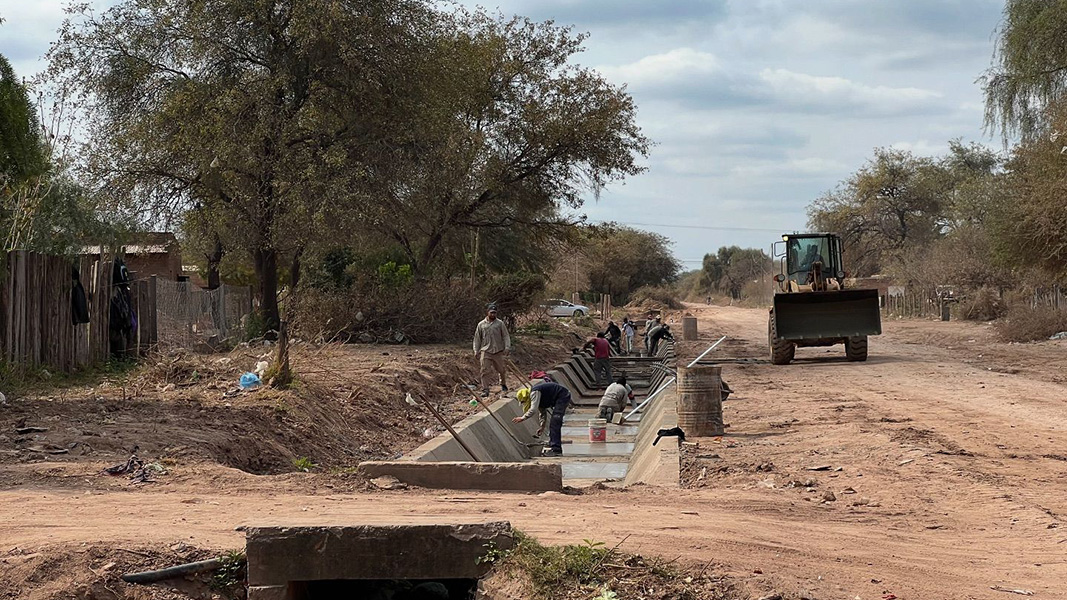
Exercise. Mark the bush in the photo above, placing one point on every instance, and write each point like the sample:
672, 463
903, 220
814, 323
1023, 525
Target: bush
662, 296
982, 305
1026, 324
392, 307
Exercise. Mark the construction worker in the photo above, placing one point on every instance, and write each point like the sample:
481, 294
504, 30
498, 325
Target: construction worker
542, 399
615, 398
614, 334
657, 334
601, 358
629, 331
492, 345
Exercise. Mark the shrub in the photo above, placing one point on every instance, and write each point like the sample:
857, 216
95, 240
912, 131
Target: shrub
982, 305
1026, 324
661, 295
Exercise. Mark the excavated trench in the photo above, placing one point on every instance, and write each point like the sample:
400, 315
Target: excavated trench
506, 455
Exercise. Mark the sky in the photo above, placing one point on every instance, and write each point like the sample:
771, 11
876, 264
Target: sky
756, 107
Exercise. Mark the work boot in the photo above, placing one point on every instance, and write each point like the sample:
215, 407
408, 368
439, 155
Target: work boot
485, 393
503, 389
552, 452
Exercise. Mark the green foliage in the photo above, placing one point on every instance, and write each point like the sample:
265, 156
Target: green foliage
732, 268
621, 260
229, 579
550, 568
899, 203
304, 464
493, 554
391, 274
1029, 231
1029, 71
23, 152
295, 126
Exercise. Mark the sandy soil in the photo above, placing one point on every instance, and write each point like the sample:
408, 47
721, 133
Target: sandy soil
942, 473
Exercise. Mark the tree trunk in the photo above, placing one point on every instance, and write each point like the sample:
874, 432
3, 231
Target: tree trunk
214, 279
266, 266
294, 271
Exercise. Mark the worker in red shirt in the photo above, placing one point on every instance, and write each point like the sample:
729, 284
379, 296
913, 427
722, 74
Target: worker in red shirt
601, 358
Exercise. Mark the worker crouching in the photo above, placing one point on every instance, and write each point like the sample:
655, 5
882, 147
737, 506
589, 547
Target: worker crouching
549, 402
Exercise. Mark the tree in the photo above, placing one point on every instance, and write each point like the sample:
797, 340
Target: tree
1029, 72
896, 200
42, 207
297, 123
509, 136
1031, 229
622, 259
246, 109
732, 268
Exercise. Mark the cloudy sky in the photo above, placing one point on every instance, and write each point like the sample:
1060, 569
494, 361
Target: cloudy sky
756, 106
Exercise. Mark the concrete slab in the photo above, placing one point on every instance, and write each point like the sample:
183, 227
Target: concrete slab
282, 556
496, 476
613, 430
594, 470
601, 449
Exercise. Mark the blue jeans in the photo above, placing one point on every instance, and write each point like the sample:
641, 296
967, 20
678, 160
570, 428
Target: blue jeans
555, 424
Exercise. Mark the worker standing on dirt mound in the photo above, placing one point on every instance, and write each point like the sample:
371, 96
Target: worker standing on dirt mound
615, 398
601, 358
541, 398
492, 345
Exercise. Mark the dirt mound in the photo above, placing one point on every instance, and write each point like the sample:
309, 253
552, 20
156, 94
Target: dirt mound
346, 406
92, 572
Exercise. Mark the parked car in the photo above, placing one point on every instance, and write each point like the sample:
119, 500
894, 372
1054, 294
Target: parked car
562, 308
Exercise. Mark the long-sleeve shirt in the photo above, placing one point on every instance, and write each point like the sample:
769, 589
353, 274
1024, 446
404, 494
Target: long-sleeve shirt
491, 336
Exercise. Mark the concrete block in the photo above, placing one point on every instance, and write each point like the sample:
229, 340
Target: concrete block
497, 476
280, 555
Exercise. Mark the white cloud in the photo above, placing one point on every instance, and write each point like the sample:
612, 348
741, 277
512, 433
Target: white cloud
800, 89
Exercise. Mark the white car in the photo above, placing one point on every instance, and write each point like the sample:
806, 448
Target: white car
562, 308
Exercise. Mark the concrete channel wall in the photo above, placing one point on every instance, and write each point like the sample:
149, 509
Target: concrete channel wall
502, 460
659, 464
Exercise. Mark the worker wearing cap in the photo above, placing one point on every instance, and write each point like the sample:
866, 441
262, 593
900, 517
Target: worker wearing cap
540, 400
492, 345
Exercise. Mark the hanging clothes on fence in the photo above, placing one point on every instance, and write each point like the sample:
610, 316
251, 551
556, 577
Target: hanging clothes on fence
79, 303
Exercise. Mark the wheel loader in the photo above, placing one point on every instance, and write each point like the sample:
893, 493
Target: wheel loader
812, 306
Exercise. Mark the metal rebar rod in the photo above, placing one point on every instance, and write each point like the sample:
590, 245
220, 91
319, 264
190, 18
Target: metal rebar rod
710, 348
639, 407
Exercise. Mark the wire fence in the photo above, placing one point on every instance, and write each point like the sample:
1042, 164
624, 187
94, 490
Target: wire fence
187, 316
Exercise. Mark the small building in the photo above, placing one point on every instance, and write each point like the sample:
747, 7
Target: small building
152, 253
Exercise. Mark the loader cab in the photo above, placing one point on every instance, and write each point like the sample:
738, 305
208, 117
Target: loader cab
798, 252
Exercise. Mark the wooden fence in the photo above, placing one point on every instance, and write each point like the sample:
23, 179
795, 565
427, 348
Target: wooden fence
36, 328
911, 303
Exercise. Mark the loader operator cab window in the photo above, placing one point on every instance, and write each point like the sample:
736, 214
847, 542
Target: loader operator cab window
803, 252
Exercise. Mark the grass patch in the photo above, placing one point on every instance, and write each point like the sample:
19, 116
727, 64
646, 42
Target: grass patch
592, 570
304, 464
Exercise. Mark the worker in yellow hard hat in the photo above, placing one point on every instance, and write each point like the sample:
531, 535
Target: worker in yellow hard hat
549, 400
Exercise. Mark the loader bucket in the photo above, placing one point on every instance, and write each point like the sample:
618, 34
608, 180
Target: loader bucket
824, 315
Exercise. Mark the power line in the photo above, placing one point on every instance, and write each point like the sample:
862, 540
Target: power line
712, 227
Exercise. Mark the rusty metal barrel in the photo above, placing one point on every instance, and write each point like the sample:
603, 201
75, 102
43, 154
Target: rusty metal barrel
700, 401
689, 328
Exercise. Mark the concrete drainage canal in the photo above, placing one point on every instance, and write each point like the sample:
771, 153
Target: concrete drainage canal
492, 453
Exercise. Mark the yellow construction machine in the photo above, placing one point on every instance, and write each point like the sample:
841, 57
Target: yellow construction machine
812, 306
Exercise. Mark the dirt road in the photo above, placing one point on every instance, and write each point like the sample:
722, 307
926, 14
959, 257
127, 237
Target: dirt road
941, 473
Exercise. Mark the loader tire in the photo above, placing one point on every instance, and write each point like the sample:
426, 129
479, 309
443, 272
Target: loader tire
782, 351
856, 348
